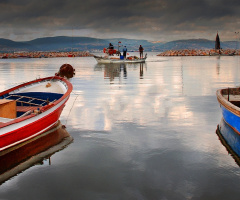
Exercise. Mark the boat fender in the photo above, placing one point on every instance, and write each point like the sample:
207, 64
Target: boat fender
66, 70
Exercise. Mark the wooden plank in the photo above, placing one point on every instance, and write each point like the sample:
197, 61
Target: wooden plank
26, 108
35, 104
8, 108
3, 101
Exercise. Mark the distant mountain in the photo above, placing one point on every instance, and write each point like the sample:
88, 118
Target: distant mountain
62, 43
189, 44
197, 44
9, 45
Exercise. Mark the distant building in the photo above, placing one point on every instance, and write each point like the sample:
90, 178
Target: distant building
217, 42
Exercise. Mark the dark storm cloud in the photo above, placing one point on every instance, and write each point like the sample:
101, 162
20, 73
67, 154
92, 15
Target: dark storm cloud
136, 18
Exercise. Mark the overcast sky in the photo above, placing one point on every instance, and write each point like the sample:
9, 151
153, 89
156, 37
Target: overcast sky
154, 20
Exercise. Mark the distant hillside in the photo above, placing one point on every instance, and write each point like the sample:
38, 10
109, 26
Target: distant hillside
197, 44
189, 44
62, 43
9, 45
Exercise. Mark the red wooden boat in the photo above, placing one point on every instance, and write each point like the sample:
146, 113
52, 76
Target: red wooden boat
30, 109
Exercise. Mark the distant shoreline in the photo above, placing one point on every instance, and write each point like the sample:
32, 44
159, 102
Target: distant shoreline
183, 52
45, 54
194, 52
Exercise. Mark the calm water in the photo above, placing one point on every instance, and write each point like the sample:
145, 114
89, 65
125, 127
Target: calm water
140, 131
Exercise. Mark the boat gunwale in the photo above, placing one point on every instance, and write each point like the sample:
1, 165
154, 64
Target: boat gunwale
227, 104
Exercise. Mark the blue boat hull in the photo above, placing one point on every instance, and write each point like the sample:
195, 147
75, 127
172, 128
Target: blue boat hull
231, 138
231, 119
229, 128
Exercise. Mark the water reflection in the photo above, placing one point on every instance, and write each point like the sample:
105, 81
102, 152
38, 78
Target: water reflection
118, 70
218, 65
141, 70
151, 133
33, 152
124, 69
230, 140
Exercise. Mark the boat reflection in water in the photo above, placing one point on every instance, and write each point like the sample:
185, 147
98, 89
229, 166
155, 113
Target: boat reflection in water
25, 155
117, 70
230, 139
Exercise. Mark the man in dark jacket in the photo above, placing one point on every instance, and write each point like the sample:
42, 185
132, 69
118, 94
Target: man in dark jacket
125, 51
141, 51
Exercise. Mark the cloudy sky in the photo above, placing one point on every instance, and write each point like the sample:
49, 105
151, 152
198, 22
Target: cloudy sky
154, 20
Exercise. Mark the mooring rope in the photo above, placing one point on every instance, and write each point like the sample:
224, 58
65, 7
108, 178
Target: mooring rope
71, 107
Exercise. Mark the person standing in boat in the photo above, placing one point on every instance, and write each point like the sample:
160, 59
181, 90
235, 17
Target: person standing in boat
110, 46
125, 52
110, 49
141, 51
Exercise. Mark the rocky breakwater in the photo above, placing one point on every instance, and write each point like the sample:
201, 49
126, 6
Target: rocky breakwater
192, 52
45, 54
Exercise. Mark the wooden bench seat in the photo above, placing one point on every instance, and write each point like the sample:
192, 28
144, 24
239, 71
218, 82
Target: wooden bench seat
7, 108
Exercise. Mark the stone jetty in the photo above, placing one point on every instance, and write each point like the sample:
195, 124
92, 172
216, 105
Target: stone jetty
45, 54
194, 52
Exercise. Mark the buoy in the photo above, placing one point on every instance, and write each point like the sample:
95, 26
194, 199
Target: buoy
66, 70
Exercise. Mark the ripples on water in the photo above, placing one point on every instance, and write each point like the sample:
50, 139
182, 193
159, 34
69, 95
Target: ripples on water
141, 131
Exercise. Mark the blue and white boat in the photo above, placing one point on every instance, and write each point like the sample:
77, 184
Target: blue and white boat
229, 128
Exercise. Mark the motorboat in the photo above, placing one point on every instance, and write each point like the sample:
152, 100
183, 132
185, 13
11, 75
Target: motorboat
120, 59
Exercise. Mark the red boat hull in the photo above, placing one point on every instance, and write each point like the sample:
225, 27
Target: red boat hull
30, 130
